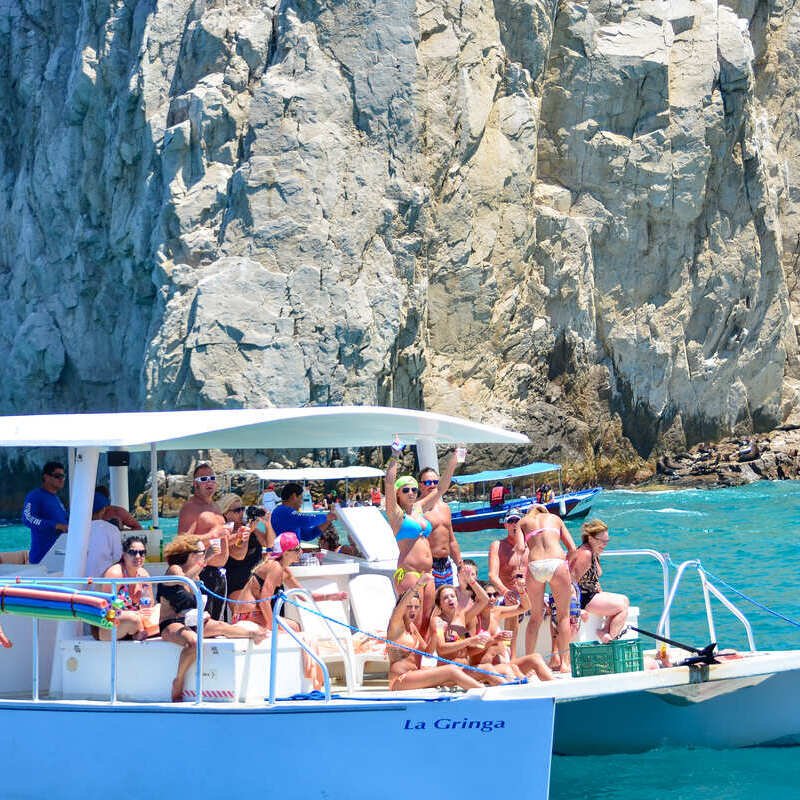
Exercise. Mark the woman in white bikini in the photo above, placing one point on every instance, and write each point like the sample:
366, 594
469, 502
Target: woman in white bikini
544, 533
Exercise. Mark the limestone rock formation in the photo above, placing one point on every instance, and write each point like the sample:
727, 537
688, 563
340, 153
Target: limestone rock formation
575, 219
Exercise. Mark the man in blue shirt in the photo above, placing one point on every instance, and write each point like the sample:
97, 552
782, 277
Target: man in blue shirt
44, 513
287, 517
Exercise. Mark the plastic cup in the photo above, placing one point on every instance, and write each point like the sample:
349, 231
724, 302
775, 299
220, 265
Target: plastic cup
461, 454
216, 543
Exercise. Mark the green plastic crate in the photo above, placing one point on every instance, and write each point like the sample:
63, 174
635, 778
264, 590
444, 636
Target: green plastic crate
593, 658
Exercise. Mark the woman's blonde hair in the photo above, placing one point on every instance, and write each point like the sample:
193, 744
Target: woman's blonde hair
227, 500
177, 551
592, 527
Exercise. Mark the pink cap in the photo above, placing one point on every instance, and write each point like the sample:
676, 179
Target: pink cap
283, 543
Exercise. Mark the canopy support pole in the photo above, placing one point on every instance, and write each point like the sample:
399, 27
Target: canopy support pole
118, 485
154, 484
80, 520
426, 453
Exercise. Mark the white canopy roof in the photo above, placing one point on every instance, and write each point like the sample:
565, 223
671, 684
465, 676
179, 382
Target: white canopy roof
314, 473
246, 429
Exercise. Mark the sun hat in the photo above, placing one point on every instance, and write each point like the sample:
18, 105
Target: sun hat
406, 480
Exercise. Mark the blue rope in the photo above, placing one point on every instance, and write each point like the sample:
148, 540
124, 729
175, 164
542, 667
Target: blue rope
756, 603
211, 593
354, 629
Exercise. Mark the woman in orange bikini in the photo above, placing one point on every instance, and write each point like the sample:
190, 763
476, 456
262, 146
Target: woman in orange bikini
454, 630
497, 656
544, 533
405, 513
404, 670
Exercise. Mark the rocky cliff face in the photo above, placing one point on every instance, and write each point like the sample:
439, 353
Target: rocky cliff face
577, 219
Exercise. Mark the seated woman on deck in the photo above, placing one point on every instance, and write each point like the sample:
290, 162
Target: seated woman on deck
585, 567
497, 654
272, 575
406, 514
186, 556
453, 630
133, 621
404, 670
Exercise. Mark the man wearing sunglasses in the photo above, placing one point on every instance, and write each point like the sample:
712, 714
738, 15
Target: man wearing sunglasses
442, 540
44, 513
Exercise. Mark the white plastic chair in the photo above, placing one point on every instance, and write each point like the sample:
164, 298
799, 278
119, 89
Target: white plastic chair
340, 649
372, 600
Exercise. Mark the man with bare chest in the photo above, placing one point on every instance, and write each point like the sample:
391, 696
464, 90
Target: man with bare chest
441, 539
201, 516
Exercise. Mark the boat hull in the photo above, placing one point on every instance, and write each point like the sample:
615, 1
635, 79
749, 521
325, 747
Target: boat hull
575, 506
343, 750
737, 712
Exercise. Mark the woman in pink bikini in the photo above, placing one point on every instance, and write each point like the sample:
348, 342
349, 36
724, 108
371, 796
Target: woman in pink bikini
544, 533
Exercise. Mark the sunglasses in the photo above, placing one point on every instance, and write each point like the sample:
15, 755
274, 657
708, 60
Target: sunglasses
236, 510
137, 553
59, 476
206, 479
490, 595
431, 482
409, 489
201, 552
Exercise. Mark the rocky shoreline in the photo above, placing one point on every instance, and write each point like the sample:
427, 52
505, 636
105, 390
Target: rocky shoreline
732, 462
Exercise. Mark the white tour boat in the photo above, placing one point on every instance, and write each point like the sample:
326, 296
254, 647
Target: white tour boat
81, 715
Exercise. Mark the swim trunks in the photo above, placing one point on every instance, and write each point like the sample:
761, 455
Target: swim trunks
544, 569
442, 572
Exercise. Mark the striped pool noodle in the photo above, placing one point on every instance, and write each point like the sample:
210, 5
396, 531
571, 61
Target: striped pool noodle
60, 597
35, 602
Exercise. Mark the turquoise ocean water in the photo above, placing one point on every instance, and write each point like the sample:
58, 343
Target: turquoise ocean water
748, 537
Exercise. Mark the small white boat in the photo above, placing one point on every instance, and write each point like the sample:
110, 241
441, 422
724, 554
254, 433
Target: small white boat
56, 743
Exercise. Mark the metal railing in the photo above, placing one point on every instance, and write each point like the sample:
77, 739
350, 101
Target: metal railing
663, 559
708, 589
277, 623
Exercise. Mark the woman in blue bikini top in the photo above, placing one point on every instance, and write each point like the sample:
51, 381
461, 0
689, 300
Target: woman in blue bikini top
405, 511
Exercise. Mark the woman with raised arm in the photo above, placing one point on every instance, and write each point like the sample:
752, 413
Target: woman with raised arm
584, 564
405, 512
454, 632
497, 655
544, 534
404, 670
272, 575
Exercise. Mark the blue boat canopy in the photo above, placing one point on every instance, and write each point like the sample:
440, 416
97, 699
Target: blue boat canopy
504, 474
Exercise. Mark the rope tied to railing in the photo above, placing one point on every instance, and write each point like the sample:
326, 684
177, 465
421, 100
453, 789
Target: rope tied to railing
757, 603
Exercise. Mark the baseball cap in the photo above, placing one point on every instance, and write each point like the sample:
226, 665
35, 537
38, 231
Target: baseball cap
512, 516
284, 543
